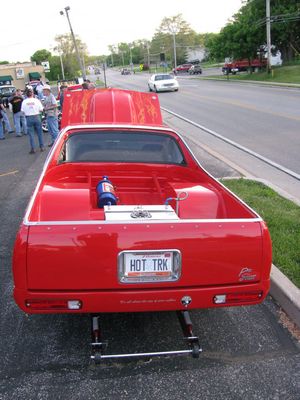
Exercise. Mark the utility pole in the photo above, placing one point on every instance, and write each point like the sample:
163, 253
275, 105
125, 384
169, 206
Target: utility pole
174, 46
104, 73
148, 56
62, 65
173, 29
74, 41
130, 53
268, 25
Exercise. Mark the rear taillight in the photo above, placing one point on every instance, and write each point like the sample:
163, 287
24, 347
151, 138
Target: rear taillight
47, 304
241, 297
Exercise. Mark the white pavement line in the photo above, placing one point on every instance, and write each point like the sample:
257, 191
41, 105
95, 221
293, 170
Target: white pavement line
238, 146
9, 173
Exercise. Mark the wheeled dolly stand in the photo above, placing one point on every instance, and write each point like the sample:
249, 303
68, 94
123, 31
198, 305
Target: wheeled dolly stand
99, 347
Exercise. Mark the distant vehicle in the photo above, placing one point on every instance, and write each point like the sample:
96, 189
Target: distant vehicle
163, 83
125, 71
243, 65
5, 92
195, 69
182, 68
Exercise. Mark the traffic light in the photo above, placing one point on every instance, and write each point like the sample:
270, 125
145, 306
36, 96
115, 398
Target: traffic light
162, 57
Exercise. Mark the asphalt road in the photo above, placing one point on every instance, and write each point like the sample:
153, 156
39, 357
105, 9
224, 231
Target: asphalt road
264, 119
247, 352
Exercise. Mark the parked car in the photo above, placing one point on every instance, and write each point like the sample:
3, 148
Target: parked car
125, 219
163, 83
5, 92
125, 71
182, 68
235, 66
195, 69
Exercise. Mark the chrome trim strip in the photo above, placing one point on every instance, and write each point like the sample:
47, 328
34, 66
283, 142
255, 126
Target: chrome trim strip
148, 222
128, 281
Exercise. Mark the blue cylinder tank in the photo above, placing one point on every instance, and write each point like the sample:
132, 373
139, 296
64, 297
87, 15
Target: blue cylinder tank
105, 193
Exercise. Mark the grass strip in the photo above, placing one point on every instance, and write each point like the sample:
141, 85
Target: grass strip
289, 74
283, 219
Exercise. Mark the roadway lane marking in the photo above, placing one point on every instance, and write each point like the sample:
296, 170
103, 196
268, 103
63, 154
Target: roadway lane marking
9, 173
245, 106
238, 146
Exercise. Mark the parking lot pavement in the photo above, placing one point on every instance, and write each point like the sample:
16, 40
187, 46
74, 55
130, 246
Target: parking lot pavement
247, 352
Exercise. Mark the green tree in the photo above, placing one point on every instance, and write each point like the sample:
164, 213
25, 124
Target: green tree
163, 39
55, 72
286, 27
65, 46
246, 32
40, 55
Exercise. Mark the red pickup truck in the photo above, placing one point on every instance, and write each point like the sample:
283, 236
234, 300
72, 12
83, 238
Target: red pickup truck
182, 68
124, 219
243, 65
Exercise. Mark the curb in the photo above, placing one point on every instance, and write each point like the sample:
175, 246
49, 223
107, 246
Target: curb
282, 289
262, 83
286, 294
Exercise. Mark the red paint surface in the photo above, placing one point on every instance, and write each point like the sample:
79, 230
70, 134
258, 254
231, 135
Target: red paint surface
74, 254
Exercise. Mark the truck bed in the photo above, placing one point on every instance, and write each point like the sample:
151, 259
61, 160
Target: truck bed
74, 189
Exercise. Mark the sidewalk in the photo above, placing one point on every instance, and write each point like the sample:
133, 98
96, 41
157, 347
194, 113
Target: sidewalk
262, 83
282, 289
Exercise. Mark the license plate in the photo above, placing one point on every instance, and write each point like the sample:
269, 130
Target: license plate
149, 266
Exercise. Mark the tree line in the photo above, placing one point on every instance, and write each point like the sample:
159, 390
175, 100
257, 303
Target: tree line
242, 37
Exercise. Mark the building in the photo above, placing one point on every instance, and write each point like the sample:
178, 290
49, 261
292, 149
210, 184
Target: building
196, 53
20, 73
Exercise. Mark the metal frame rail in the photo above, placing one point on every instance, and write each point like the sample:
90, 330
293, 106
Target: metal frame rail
99, 346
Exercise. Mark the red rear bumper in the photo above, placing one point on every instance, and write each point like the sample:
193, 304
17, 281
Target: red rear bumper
141, 300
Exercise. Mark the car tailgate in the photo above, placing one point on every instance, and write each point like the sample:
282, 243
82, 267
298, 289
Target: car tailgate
85, 257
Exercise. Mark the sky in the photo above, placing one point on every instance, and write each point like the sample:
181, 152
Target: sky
32, 25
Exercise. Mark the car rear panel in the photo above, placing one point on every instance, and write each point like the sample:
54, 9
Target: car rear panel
85, 257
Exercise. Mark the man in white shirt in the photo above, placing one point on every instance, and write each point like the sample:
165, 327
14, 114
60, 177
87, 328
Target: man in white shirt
39, 90
50, 108
32, 108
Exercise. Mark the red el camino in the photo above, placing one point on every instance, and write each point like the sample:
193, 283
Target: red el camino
124, 219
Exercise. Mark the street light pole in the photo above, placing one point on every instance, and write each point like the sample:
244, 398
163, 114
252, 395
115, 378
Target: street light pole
174, 46
74, 41
148, 56
268, 25
62, 65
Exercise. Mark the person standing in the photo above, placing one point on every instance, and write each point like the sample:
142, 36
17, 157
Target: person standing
39, 90
19, 117
32, 108
50, 108
62, 90
2, 137
5, 118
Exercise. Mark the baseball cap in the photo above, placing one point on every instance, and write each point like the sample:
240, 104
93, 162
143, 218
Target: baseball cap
46, 87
